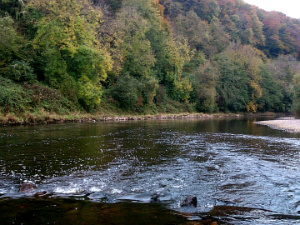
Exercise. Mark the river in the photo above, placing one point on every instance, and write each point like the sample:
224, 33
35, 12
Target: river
240, 172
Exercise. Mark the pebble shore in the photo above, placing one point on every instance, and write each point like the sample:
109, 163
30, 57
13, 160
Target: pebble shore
289, 124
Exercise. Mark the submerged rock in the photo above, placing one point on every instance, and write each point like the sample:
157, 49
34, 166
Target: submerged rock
190, 200
155, 197
97, 196
27, 186
40, 194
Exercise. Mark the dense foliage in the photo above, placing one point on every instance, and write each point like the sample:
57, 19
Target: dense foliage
147, 56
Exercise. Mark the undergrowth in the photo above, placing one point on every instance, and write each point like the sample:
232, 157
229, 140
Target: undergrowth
32, 98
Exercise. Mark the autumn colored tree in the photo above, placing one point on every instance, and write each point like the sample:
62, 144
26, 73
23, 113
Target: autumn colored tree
272, 25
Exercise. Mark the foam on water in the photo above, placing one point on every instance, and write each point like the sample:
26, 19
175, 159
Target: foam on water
73, 189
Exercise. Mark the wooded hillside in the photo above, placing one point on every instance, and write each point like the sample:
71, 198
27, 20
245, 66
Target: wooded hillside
147, 56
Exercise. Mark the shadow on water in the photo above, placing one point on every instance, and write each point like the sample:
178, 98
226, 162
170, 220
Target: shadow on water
107, 173
66, 211
69, 211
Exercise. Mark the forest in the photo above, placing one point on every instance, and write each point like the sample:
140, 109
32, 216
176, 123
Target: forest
147, 57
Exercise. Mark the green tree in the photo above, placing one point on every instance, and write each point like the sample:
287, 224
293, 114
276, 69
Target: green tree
136, 49
239, 86
233, 93
204, 85
11, 44
272, 96
125, 91
296, 100
196, 31
65, 39
284, 69
220, 39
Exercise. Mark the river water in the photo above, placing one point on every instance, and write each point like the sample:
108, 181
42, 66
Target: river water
240, 172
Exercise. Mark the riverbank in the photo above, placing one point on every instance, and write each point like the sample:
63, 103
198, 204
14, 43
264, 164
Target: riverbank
11, 119
50, 118
289, 124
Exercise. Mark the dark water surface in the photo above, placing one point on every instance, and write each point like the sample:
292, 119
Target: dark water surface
241, 172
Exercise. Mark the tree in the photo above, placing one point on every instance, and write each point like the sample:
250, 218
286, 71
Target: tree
272, 24
207, 9
125, 91
11, 44
296, 100
233, 93
285, 69
220, 39
194, 29
272, 96
136, 49
65, 39
239, 87
204, 87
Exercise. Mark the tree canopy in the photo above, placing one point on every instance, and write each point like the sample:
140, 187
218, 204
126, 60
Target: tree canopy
151, 55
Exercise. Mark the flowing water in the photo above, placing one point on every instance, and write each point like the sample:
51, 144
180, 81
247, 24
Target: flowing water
240, 172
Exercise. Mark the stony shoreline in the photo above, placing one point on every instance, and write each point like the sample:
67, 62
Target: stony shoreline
31, 120
47, 118
289, 124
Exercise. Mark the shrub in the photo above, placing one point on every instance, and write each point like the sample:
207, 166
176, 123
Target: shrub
21, 71
48, 99
13, 98
16, 98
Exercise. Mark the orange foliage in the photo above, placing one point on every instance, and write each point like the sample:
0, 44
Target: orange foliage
161, 9
228, 6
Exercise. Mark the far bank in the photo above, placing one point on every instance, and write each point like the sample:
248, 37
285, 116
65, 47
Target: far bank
12, 119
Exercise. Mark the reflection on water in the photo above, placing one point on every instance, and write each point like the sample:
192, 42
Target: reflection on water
224, 162
84, 212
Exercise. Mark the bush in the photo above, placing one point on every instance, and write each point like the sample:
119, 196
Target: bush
21, 71
13, 98
48, 99
16, 98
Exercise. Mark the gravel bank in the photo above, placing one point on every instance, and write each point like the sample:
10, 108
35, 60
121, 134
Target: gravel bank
286, 123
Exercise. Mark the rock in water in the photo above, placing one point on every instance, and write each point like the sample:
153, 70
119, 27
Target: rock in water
27, 186
40, 194
190, 200
155, 197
